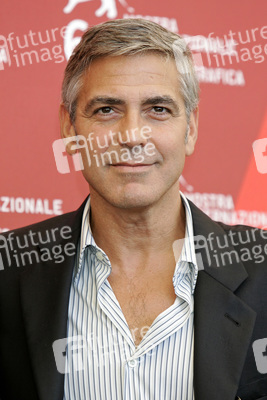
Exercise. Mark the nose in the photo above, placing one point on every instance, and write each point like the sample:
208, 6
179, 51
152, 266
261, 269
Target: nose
131, 132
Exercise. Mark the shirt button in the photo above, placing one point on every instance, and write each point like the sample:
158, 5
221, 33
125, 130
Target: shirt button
132, 363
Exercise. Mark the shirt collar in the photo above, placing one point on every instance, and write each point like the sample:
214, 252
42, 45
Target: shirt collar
186, 265
188, 250
186, 260
86, 232
87, 241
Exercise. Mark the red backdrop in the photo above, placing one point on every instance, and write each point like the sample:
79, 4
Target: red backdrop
222, 176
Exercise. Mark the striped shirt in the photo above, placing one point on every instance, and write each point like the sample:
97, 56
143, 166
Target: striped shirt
102, 361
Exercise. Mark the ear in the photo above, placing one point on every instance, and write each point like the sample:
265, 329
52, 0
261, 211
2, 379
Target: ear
67, 129
192, 133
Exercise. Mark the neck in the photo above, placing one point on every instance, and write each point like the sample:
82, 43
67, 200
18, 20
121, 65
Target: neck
137, 236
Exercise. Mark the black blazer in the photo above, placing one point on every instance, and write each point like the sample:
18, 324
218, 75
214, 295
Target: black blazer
230, 313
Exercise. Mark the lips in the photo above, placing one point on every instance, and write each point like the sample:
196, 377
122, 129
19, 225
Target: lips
130, 165
131, 168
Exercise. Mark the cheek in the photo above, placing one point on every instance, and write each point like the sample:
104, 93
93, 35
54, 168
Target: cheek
170, 137
170, 148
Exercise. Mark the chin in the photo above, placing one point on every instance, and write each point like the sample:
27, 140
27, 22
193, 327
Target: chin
133, 200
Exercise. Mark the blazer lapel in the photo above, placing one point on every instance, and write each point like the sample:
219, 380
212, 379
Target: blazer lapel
223, 323
45, 291
223, 329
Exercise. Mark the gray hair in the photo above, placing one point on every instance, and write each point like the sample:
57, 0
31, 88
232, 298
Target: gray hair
125, 37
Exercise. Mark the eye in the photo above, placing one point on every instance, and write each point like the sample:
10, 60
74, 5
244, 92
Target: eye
160, 110
159, 113
103, 110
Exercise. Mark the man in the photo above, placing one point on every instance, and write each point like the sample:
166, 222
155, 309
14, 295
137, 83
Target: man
115, 301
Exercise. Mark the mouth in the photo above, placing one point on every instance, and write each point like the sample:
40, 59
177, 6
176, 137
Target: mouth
131, 167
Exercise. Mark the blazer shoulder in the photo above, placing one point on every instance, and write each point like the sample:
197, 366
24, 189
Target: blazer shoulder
247, 233
38, 243
204, 224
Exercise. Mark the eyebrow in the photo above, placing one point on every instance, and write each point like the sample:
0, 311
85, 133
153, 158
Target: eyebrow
164, 100
112, 101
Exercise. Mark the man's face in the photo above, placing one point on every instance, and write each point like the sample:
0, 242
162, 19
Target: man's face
132, 110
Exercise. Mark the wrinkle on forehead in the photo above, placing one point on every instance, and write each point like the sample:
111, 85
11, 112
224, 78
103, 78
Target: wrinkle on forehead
131, 77
133, 68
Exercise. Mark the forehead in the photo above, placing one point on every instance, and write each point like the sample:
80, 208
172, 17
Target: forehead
131, 75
